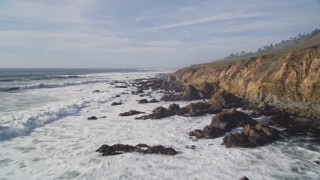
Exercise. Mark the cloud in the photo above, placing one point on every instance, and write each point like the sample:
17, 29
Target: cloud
219, 17
60, 40
144, 50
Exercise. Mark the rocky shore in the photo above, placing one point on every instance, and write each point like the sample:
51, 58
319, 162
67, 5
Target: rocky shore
211, 98
236, 97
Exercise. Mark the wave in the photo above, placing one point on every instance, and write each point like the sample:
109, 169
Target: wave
52, 85
23, 123
42, 78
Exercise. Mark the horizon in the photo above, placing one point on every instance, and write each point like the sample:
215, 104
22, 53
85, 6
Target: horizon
121, 34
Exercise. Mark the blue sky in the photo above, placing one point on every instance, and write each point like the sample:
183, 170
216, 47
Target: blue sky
144, 33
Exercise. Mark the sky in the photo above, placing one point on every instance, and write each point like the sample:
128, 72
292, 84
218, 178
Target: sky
153, 34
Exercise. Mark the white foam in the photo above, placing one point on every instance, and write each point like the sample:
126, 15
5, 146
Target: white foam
65, 148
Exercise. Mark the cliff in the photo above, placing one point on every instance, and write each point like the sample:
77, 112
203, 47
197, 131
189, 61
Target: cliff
288, 81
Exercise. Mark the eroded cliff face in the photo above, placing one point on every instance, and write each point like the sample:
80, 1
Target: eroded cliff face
288, 82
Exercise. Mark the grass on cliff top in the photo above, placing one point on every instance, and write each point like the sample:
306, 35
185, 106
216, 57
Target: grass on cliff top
314, 41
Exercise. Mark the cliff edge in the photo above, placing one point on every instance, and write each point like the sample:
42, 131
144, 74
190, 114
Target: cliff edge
287, 81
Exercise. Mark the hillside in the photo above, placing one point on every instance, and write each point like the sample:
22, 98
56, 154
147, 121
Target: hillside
287, 79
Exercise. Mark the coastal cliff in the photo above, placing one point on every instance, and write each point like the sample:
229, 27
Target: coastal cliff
287, 81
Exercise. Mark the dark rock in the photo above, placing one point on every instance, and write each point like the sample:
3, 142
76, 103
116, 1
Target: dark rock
222, 99
139, 91
130, 113
197, 133
96, 91
212, 132
197, 109
143, 101
153, 101
207, 133
121, 86
251, 136
116, 103
317, 162
222, 123
103, 117
173, 109
244, 178
193, 147
142, 146
117, 95
160, 150
92, 118
206, 90
116, 149
231, 119
171, 97
107, 150
190, 93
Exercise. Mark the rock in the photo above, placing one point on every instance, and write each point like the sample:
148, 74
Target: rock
190, 93
160, 150
143, 101
244, 178
173, 109
142, 146
92, 118
197, 133
317, 162
251, 136
159, 112
212, 132
197, 109
116, 149
207, 89
193, 147
130, 113
116, 103
231, 119
223, 100
96, 91
121, 86
103, 117
153, 101
117, 95
139, 91
222, 123
171, 97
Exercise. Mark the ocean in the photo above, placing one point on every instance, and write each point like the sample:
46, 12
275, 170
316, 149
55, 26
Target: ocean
45, 134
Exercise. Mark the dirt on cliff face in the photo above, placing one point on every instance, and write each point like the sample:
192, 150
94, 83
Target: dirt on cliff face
287, 81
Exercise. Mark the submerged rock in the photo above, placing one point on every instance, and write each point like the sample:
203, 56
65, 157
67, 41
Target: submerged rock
92, 118
153, 101
116, 103
96, 91
130, 113
116, 149
143, 101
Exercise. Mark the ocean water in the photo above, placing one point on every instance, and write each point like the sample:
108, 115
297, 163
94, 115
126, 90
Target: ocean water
45, 134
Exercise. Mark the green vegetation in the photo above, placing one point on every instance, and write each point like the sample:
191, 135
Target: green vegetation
296, 43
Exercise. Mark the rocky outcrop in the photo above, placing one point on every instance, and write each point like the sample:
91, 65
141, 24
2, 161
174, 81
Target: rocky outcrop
130, 113
188, 93
117, 149
193, 109
287, 82
222, 123
251, 136
222, 99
